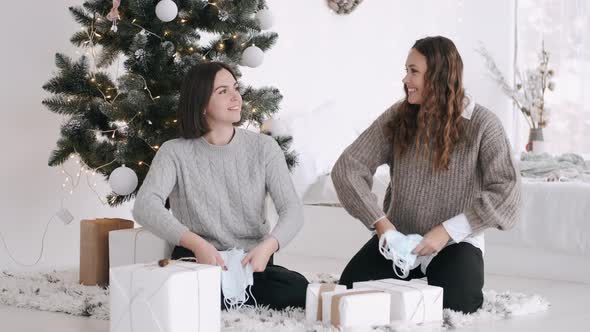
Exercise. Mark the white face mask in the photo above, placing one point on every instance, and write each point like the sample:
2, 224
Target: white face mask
237, 280
398, 247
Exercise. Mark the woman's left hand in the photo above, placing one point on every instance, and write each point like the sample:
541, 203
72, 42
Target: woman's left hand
433, 242
259, 256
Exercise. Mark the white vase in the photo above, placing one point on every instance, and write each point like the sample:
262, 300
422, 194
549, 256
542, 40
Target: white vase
536, 142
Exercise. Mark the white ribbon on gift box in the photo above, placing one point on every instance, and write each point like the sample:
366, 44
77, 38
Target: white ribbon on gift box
140, 291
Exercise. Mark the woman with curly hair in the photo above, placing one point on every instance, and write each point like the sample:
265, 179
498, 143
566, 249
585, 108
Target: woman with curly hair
452, 177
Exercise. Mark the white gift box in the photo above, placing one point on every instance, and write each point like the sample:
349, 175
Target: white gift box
355, 308
136, 245
182, 296
413, 301
313, 299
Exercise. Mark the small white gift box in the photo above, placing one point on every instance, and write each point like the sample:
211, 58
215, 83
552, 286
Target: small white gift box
313, 299
414, 301
355, 308
179, 297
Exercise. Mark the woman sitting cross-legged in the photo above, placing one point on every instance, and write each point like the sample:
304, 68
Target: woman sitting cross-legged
452, 176
216, 177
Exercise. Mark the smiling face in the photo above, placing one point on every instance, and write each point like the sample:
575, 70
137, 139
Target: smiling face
414, 80
225, 103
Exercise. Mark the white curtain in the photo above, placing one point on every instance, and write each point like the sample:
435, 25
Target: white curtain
564, 26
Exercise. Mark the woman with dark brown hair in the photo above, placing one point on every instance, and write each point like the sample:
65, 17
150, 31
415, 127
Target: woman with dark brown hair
217, 177
452, 177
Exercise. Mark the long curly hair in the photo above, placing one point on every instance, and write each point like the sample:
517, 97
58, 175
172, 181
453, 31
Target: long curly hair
436, 125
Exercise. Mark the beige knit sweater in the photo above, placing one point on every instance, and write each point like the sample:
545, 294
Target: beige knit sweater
481, 182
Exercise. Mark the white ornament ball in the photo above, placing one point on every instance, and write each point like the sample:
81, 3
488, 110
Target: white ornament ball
275, 127
265, 19
123, 180
252, 57
166, 10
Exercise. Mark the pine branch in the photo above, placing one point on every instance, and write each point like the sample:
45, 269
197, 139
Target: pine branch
107, 56
61, 153
62, 61
81, 16
65, 105
265, 40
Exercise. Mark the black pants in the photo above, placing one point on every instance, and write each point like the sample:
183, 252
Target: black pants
275, 287
458, 269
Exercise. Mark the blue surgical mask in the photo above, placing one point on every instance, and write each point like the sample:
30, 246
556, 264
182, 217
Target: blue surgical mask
237, 280
398, 248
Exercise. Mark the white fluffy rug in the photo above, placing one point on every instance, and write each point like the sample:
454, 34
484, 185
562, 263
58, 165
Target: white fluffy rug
60, 292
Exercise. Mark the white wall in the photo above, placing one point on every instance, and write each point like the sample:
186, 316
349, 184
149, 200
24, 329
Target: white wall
346, 68
30, 191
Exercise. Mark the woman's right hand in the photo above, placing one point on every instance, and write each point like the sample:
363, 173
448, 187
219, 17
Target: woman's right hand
204, 252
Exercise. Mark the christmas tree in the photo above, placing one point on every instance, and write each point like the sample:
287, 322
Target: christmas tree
123, 120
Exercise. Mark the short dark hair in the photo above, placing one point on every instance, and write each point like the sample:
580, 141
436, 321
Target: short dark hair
195, 92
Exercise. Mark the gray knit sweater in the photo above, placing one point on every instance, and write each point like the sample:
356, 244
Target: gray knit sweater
482, 181
218, 192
